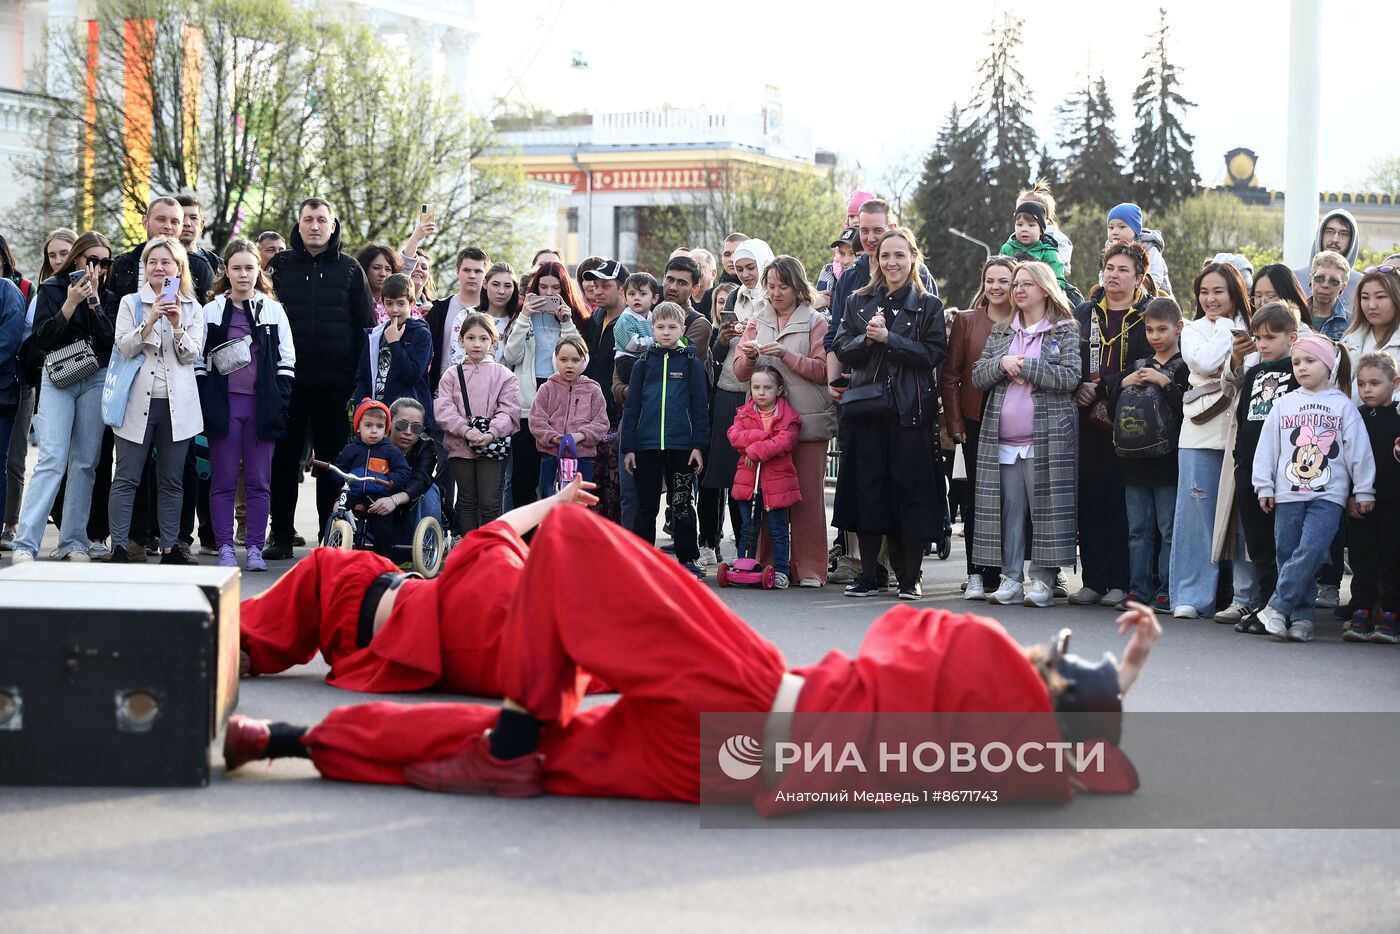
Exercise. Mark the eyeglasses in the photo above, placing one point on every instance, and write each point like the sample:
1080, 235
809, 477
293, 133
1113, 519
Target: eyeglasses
404, 424
1371, 269
1330, 280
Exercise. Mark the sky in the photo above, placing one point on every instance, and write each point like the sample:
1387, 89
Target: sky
883, 109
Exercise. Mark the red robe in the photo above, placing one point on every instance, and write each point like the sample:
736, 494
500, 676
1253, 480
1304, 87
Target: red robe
442, 634
673, 650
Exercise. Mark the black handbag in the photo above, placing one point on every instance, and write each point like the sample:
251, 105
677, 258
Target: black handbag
871, 401
497, 450
71, 364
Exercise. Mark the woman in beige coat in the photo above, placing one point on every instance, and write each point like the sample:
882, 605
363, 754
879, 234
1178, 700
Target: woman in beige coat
163, 406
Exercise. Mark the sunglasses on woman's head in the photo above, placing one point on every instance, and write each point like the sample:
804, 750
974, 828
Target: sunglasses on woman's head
1371, 269
1330, 280
404, 424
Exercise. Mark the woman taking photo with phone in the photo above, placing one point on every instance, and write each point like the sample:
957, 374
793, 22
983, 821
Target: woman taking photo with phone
892, 338
68, 320
164, 323
553, 308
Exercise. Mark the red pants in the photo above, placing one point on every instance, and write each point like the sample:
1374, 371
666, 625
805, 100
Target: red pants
443, 633
649, 629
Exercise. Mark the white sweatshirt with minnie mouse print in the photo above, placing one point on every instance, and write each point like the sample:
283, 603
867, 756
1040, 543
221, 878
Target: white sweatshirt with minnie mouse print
1314, 446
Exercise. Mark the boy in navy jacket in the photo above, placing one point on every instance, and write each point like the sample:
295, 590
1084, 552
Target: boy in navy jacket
665, 430
394, 363
372, 454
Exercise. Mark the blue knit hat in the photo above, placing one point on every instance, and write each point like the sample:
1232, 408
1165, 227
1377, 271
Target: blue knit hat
1129, 214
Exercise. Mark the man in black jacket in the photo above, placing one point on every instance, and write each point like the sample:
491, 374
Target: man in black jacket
192, 228
328, 304
164, 218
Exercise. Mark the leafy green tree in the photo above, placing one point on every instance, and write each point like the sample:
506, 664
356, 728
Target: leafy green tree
1092, 165
1164, 172
797, 210
1384, 177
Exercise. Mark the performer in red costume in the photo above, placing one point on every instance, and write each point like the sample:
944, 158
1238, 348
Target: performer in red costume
382, 630
673, 650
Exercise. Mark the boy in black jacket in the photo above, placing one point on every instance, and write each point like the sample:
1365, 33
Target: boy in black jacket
1149, 483
1371, 539
1275, 328
372, 454
665, 430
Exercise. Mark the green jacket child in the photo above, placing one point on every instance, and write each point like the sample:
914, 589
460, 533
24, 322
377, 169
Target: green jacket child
1030, 243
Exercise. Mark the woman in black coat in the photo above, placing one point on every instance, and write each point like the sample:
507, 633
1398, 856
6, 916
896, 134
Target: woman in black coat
891, 336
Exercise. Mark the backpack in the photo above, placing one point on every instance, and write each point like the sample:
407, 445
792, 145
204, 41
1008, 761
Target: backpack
1144, 422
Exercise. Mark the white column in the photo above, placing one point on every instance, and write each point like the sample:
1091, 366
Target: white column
63, 18
456, 47
1304, 130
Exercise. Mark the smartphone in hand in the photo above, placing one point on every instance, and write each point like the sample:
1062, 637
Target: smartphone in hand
171, 291
550, 303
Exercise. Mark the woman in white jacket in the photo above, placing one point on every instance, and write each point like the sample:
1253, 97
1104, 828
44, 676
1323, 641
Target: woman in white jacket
163, 408
1212, 345
1375, 322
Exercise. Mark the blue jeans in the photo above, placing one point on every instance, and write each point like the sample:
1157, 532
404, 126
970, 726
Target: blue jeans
549, 466
626, 490
777, 535
68, 427
1303, 534
1151, 510
429, 504
1193, 574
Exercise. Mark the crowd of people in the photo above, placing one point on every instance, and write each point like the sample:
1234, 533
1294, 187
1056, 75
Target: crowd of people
177, 396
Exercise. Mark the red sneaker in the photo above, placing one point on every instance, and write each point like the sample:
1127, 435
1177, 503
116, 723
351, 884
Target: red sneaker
245, 740
474, 771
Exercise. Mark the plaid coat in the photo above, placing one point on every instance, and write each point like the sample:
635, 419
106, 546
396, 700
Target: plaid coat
1054, 515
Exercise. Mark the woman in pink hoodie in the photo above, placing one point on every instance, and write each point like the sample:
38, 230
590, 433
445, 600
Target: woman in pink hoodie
477, 410
570, 405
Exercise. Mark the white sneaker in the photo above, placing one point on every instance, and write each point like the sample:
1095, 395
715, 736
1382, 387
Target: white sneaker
780, 581
79, 556
1301, 631
975, 589
707, 558
1327, 598
1040, 594
1274, 623
1185, 612
810, 582
1114, 598
1232, 613
98, 551
1061, 585
1086, 596
1009, 593
20, 557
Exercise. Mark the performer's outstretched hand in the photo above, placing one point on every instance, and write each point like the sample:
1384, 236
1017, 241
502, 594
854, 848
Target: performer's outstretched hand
577, 492
1146, 630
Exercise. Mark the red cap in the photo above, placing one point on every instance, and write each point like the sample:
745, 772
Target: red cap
370, 405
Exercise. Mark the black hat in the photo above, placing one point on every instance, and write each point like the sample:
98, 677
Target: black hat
850, 237
1092, 694
1034, 209
610, 271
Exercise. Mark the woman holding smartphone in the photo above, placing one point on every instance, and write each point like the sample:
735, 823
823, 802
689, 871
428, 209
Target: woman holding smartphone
553, 308
165, 323
68, 309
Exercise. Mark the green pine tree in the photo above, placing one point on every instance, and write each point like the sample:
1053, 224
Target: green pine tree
1093, 159
1002, 107
1164, 173
952, 194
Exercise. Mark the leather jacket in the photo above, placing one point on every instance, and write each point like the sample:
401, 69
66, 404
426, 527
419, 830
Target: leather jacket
917, 345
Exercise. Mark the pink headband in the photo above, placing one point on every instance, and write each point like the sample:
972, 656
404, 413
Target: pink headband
1320, 347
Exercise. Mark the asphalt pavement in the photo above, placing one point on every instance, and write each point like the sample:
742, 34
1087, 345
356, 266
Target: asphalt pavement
275, 845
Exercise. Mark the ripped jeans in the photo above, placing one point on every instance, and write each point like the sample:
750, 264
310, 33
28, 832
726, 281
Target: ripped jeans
1194, 575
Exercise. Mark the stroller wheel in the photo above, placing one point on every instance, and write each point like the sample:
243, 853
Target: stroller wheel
770, 577
429, 548
945, 546
722, 575
340, 535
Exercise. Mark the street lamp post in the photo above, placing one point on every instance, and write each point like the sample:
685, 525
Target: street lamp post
958, 233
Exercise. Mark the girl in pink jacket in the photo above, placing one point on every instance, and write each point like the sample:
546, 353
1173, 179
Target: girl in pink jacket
765, 433
477, 410
568, 405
